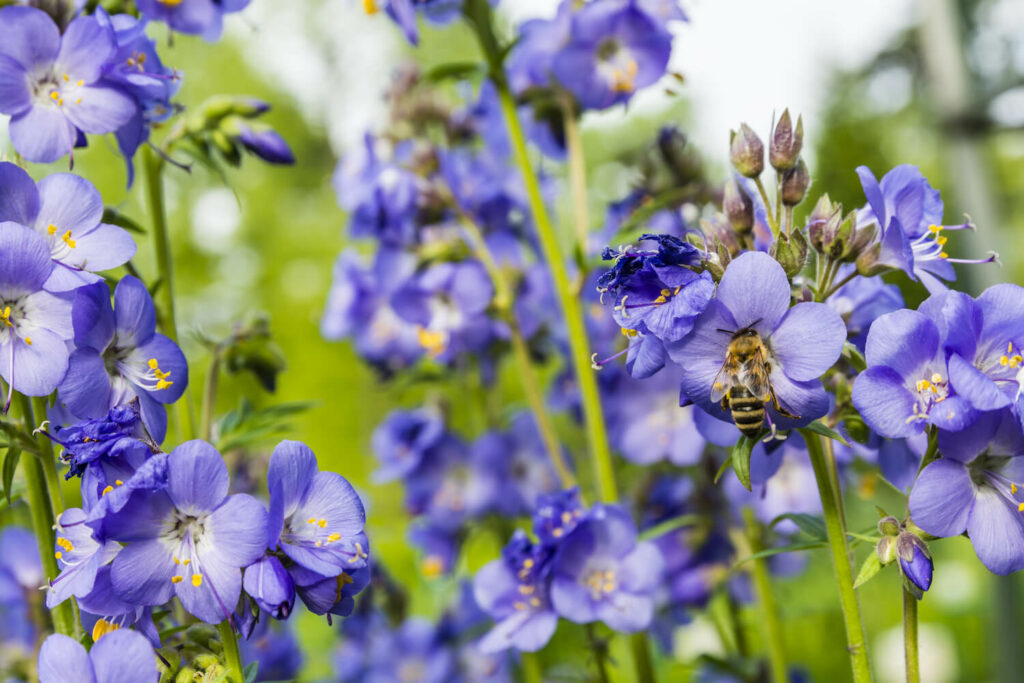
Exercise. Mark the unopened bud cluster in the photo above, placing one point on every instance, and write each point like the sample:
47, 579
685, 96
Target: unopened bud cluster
903, 541
227, 126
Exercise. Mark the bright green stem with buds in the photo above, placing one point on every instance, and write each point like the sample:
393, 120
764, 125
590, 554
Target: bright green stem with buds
856, 642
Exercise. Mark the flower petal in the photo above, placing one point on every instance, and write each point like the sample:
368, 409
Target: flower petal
68, 202
123, 655
885, 403
526, 631
996, 531
974, 386
63, 659
24, 260
903, 340
100, 109
291, 471
42, 134
236, 531
808, 340
85, 388
105, 247
213, 596
31, 37
39, 366
755, 290
134, 312
141, 573
197, 478
170, 360
942, 498
85, 48
19, 198
93, 317
958, 319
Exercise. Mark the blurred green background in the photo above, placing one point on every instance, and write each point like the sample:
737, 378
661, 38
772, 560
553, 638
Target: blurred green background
944, 90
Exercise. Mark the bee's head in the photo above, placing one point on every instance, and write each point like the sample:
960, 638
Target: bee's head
747, 331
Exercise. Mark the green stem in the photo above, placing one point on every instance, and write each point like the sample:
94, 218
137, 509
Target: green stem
569, 304
856, 642
772, 223
643, 665
600, 650
766, 601
41, 510
153, 165
837, 487
210, 396
232, 657
910, 637
531, 668
835, 288
37, 406
577, 176
527, 372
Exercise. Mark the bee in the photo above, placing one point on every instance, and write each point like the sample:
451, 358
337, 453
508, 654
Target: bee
743, 385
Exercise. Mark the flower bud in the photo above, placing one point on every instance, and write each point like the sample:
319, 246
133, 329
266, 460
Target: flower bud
886, 550
867, 262
889, 526
786, 142
206, 662
738, 207
270, 585
201, 634
746, 151
791, 252
185, 675
915, 563
795, 183
818, 222
860, 239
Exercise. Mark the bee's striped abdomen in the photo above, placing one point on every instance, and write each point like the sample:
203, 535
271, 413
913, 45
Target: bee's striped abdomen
747, 411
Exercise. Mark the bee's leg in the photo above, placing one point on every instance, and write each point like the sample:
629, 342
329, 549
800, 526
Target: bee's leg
779, 409
725, 402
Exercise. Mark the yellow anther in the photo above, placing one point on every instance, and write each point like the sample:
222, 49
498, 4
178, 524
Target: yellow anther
101, 628
557, 532
106, 490
319, 544
78, 101
177, 579
60, 102
941, 240
1003, 360
197, 580
67, 239
566, 517
936, 378
118, 482
322, 523
153, 365
58, 554
370, 7
923, 385
1013, 487
66, 77
623, 79
943, 255
54, 96
311, 520
665, 292
609, 587
28, 340
1020, 507
626, 332
434, 342
526, 589
660, 300
163, 384
535, 602
935, 229
79, 83
334, 537
528, 563
432, 566
130, 61
52, 229
177, 561
519, 605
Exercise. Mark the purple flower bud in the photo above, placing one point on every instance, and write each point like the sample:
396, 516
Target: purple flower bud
795, 183
915, 561
746, 151
786, 142
738, 207
266, 143
269, 584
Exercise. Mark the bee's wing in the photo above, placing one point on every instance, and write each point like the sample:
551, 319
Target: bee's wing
755, 377
724, 380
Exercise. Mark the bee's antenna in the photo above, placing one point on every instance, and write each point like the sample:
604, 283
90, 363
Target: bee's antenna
719, 329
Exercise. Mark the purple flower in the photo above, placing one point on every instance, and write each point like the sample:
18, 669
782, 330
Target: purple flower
51, 84
108, 437
614, 49
601, 572
557, 514
802, 342
276, 649
915, 560
66, 210
403, 13
121, 655
195, 17
908, 211
80, 555
412, 651
861, 301
973, 487
34, 325
263, 141
515, 591
330, 595
403, 440
520, 465
190, 540
316, 516
21, 572
529, 63
120, 356
268, 583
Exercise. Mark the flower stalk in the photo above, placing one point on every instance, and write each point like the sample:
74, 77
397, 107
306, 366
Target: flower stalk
577, 177
910, 651
856, 642
766, 601
232, 656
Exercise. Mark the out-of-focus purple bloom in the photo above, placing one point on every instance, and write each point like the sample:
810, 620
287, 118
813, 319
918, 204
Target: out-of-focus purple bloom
614, 49
120, 356
448, 302
601, 572
557, 514
359, 306
514, 591
21, 572
861, 301
439, 544
782, 481
66, 210
401, 442
190, 540
316, 516
410, 652
973, 487
195, 17
275, 648
121, 655
802, 342
520, 464
908, 211
51, 84
529, 63
262, 140
34, 325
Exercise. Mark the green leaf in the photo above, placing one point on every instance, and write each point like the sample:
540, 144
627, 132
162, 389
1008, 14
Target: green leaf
457, 71
852, 354
812, 525
791, 548
818, 427
721, 470
10, 466
250, 672
741, 460
247, 426
872, 565
669, 525
115, 217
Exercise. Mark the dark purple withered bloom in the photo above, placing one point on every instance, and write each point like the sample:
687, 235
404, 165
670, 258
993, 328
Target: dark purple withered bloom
316, 517
190, 540
614, 49
403, 439
514, 590
195, 17
908, 211
51, 84
111, 436
974, 487
66, 210
120, 356
602, 572
34, 325
121, 655
802, 342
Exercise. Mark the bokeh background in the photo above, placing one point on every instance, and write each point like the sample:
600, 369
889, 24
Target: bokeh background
936, 83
